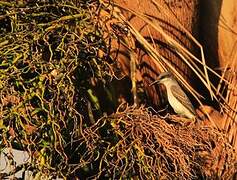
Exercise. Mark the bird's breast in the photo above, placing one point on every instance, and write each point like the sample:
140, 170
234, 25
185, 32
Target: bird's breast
178, 107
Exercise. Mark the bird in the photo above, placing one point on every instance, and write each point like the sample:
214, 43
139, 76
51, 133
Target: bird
177, 98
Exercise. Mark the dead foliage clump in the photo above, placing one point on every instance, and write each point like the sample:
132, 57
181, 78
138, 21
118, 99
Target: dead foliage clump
52, 54
134, 143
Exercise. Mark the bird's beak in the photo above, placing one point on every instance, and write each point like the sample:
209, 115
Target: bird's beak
155, 82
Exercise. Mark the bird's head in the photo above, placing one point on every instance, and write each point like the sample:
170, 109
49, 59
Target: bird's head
163, 78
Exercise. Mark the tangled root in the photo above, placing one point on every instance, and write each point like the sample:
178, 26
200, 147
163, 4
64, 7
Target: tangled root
135, 143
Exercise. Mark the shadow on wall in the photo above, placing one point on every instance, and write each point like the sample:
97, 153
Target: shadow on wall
209, 18
208, 35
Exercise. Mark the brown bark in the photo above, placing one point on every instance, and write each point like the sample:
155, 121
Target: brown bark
184, 12
227, 34
227, 53
219, 37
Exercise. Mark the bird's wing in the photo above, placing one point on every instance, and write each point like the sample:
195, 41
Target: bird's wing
182, 97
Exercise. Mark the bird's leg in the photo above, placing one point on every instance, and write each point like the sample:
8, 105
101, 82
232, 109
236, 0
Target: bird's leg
182, 120
164, 109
